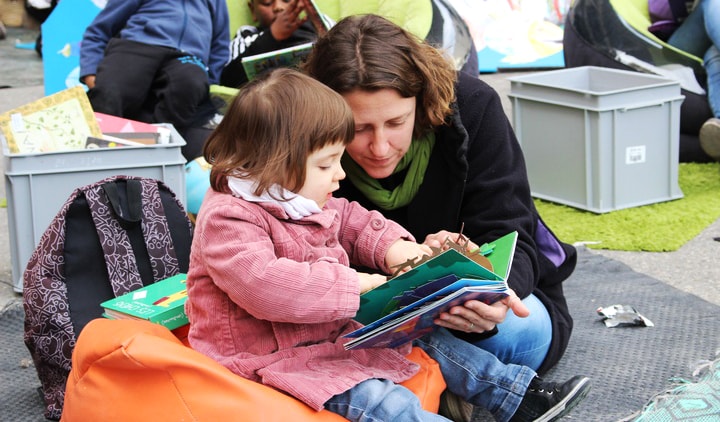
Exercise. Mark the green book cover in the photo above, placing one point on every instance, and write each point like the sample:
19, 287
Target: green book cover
383, 299
285, 57
162, 302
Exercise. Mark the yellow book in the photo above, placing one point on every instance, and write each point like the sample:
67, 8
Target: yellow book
58, 122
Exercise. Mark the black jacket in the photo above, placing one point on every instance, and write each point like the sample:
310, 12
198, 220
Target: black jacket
251, 40
476, 175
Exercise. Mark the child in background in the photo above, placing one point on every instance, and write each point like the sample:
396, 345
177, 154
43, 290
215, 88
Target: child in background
154, 60
694, 27
271, 290
280, 24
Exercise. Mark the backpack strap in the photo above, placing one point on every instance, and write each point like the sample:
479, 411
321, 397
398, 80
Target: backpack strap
112, 218
156, 230
122, 269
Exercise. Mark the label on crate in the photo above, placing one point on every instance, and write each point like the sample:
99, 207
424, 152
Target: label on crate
635, 154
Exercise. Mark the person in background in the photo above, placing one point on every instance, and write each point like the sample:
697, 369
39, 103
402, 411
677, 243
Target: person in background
694, 27
280, 24
434, 151
154, 61
271, 290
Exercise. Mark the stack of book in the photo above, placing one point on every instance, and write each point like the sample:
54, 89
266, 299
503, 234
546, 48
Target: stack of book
65, 121
162, 302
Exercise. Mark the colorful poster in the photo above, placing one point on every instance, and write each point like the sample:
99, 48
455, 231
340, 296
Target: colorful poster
515, 34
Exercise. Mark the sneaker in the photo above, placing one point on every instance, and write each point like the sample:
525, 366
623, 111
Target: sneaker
710, 138
549, 401
455, 408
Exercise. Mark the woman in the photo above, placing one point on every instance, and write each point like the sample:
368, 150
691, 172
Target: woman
434, 151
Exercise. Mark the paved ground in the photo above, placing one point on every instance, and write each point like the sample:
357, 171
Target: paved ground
694, 268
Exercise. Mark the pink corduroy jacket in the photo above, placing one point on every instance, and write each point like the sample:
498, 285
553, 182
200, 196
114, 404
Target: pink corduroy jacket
270, 298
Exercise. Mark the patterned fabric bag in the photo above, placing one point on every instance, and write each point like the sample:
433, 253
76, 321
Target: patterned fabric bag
109, 238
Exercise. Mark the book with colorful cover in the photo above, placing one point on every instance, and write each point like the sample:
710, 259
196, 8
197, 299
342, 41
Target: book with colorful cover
405, 307
162, 302
284, 57
114, 124
133, 130
58, 122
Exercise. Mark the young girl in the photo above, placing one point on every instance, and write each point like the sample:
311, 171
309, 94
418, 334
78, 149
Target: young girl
270, 288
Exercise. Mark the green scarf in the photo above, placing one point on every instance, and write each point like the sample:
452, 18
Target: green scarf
415, 160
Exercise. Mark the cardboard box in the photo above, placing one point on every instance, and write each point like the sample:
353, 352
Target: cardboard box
599, 139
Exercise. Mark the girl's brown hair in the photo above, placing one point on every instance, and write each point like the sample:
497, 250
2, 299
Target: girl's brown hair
370, 53
272, 126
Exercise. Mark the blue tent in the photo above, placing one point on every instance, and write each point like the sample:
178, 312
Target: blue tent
62, 33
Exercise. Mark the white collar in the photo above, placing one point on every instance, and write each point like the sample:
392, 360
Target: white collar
295, 206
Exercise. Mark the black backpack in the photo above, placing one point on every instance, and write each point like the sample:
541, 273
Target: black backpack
109, 238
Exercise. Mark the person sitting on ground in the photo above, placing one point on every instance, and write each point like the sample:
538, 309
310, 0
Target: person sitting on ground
694, 27
153, 61
434, 150
271, 292
280, 24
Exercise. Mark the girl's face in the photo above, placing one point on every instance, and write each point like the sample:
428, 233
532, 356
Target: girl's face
264, 11
384, 123
323, 173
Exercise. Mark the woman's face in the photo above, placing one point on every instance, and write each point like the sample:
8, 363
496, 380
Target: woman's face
384, 123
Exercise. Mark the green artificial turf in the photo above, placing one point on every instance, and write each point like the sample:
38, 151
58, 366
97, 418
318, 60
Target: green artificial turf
660, 227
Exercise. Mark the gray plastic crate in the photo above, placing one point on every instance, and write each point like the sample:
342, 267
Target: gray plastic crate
37, 185
599, 139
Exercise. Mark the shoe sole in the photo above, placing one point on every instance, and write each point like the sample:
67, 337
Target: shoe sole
710, 138
561, 409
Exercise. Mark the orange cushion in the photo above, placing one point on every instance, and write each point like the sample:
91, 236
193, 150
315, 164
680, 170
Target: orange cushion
136, 370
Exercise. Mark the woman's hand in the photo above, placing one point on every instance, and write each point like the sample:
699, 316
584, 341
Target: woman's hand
404, 251
477, 317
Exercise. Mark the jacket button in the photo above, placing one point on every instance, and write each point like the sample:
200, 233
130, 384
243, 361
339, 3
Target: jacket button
377, 224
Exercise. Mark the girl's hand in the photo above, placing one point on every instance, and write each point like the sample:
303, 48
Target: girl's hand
402, 251
477, 317
370, 281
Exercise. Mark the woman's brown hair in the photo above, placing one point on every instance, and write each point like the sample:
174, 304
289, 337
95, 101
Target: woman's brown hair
272, 126
370, 53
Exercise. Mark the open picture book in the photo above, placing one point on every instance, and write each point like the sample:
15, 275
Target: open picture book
405, 307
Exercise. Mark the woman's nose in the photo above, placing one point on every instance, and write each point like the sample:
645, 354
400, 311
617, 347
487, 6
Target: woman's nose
379, 144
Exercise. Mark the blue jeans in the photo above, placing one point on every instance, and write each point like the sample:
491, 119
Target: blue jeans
473, 374
522, 341
377, 400
699, 35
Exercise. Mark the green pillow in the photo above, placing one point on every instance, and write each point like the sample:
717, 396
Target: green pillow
413, 15
636, 14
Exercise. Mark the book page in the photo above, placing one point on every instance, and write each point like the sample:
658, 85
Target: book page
62, 121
